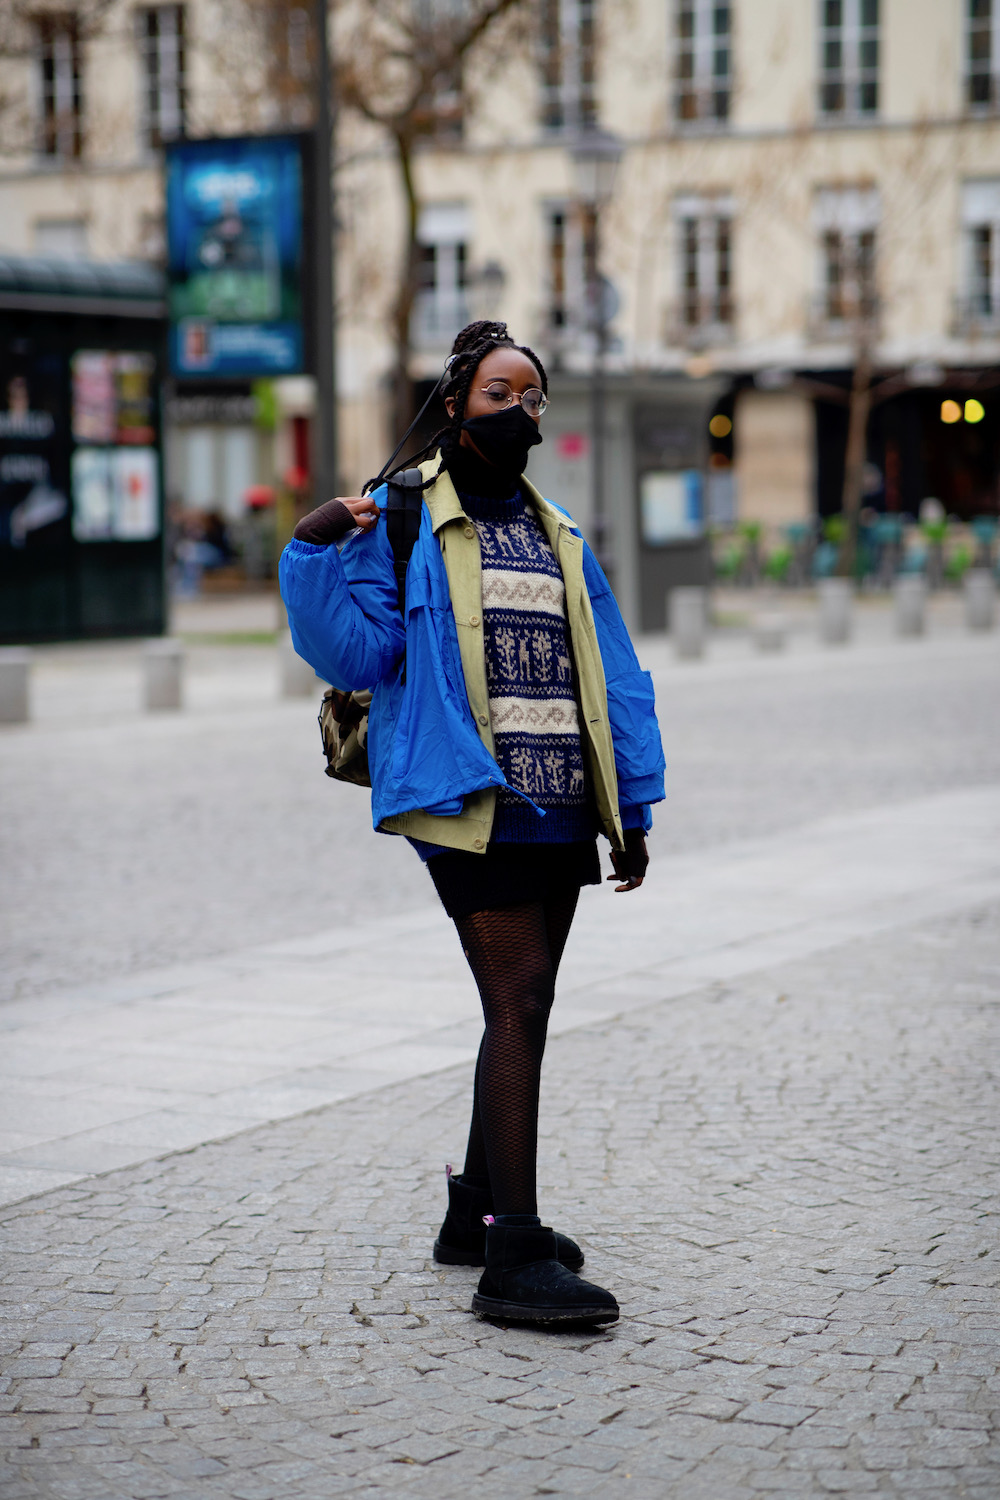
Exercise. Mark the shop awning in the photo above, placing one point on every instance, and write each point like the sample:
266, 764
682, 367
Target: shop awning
124, 289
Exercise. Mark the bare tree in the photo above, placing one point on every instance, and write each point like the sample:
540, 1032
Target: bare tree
404, 67
407, 67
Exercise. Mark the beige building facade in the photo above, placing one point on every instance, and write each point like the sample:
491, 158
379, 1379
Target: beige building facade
797, 177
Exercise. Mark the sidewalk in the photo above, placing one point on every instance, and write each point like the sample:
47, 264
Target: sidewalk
788, 1177
113, 1074
769, 1106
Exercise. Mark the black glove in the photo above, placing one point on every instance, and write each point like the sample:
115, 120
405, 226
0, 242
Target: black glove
631, 862
325, 525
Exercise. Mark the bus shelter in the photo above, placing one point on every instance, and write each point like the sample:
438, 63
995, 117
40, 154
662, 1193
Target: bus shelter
82, 363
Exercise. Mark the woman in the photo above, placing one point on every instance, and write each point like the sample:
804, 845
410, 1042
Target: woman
510, 724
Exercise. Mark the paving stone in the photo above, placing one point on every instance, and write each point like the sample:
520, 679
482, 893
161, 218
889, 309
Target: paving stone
789, 1179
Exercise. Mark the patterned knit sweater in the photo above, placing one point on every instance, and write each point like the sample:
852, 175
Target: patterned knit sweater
529, 676
529, 670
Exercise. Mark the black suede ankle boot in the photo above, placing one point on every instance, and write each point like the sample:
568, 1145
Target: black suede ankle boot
462, 1240
525, 1283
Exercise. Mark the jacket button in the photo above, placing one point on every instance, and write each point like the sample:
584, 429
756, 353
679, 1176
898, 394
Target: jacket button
469, 531
473, 619
484, 718
477, 844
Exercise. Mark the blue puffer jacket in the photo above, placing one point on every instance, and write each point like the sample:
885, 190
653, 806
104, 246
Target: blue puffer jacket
426, 749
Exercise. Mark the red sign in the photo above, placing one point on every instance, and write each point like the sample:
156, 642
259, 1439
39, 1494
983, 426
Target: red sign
572, 445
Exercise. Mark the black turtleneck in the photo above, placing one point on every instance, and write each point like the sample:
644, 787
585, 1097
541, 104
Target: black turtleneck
472, 475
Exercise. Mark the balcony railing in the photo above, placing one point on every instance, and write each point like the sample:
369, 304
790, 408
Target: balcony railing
437, 317
835, 318
700, 320
977, 316
702, 106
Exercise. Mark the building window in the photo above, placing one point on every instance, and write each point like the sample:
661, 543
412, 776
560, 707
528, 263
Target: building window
61, 66
298, 44
571, 245
847, 225
161, 41
569, 100
704, 227
848, 274
435, 23
442, 295
848, 74
980, 297
702, 82
982, 66
558, 288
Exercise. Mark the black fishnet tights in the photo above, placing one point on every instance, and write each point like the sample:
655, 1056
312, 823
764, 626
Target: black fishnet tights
514, 955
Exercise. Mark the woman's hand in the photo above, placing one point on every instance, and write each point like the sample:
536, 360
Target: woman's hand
363, 509
631, 862
331, 522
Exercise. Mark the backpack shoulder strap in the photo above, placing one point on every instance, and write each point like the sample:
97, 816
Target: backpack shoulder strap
403, 510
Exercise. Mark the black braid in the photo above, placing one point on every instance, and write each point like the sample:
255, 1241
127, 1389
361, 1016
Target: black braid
470, 348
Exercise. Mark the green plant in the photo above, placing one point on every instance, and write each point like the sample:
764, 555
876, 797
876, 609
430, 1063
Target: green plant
958, 563
778, 563
935, 531
729, 561
834, 529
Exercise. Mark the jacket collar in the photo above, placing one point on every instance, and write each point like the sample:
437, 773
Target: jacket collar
444, 505
441, 498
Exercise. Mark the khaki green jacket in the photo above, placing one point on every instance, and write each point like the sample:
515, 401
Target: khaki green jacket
459, 541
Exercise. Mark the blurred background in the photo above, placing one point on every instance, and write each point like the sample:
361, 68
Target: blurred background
757, 245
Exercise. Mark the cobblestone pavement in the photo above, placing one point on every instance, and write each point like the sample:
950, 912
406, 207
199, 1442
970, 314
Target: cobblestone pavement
790, 1182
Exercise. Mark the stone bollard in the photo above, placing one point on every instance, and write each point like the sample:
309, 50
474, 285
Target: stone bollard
769, 630
298, 680
910, 594
163, 666
836, 596
15, 669
687, 611
980, 590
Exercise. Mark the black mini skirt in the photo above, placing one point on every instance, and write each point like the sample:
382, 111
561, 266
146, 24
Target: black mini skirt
512, 875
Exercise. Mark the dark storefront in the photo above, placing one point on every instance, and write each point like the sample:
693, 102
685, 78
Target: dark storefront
81, 490
941, 441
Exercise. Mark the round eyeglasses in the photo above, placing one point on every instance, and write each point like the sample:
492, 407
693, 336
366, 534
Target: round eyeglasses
500, 396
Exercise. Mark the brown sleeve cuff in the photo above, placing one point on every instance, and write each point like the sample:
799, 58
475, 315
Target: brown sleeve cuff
327, 524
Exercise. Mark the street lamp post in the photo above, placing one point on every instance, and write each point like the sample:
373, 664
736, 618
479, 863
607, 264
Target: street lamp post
595, 155
487, 288
325, 445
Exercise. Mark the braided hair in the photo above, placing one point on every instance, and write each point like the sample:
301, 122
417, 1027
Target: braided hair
470, 348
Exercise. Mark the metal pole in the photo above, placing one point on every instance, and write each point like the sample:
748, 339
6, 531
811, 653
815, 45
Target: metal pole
600, 521
325, 444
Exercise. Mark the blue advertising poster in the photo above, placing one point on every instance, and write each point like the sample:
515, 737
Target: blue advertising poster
234, 246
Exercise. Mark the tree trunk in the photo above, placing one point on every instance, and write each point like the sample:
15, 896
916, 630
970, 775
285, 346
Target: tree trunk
855, 455
402, 385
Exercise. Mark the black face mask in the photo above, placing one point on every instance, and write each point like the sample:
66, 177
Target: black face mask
504, 438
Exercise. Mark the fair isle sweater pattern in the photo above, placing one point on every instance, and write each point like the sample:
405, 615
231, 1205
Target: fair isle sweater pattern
529, 674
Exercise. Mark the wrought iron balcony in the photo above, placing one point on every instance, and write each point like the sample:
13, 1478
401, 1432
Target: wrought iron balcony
700, 320
835, 317
976, 317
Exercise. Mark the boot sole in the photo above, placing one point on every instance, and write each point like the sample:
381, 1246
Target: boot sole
447, 1255
518, 1312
